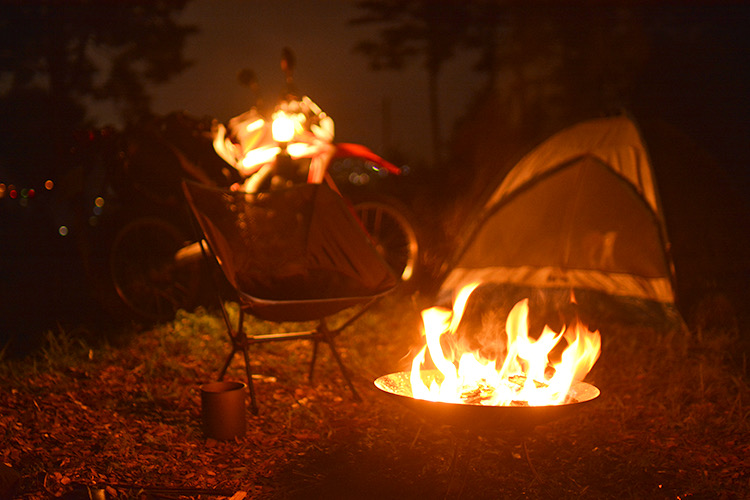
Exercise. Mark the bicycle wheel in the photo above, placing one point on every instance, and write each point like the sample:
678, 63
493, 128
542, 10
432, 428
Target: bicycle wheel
389, 224
144, 272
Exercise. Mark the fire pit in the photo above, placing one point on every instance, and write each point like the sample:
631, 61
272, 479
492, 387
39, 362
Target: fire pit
499, 380
479, 417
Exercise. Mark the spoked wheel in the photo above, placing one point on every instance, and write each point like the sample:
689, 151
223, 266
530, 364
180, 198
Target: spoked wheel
144, 272
389, 224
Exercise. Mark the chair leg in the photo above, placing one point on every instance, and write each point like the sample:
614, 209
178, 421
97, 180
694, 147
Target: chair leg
250, 386
233, 337
328, 339
314, 358
239, 342
238, 339
228, 362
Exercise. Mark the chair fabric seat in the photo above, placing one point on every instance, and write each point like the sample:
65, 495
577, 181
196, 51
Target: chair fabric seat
296, 244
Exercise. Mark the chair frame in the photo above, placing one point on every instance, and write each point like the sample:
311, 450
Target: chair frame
241, 340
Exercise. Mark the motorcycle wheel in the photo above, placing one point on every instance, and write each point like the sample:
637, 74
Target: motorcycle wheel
389, 223
144, 272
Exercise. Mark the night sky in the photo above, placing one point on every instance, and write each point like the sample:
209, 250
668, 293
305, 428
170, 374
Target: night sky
702, 88
236, 34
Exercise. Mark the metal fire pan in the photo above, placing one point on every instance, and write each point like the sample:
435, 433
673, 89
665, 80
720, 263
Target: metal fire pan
485, 418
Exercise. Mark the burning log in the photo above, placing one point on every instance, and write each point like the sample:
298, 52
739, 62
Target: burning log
525, 376
517, 391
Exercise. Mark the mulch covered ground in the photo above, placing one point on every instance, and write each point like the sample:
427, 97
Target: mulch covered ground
122, 420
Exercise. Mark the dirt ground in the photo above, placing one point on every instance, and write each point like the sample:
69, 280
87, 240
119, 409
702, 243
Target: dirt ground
122, 419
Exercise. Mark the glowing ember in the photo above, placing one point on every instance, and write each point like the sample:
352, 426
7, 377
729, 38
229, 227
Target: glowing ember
523, 375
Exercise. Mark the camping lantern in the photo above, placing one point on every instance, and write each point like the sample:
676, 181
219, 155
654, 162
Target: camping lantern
282, 128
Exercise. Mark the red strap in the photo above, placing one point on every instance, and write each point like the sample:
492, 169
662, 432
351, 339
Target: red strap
347, 150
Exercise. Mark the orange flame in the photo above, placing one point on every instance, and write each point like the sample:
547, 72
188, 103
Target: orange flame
525, 376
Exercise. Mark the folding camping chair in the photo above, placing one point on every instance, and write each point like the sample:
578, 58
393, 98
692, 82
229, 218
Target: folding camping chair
292, 255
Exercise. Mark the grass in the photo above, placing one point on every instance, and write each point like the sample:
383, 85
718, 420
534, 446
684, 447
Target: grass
124, 415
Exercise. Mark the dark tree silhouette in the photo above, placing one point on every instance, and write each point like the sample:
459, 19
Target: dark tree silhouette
550, 63
58, 56
544, 62
427, 29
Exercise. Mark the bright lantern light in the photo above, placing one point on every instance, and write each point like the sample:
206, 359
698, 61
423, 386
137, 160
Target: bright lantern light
282, 128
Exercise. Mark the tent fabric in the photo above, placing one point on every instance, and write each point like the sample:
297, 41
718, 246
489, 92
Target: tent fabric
616, 141
581, 210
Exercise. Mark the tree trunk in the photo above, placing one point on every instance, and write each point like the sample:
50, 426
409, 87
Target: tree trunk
435, 123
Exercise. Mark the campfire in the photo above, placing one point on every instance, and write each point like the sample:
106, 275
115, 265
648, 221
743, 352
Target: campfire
511, 371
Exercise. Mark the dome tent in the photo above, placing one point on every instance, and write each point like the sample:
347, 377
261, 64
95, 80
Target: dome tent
594, 208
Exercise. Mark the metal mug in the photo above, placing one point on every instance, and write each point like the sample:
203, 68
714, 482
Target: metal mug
223, 410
